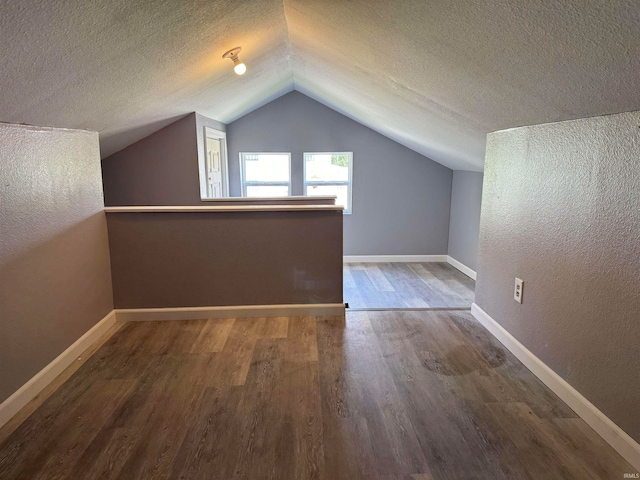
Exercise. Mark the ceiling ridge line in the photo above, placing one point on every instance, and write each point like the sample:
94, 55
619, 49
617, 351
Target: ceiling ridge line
289, 46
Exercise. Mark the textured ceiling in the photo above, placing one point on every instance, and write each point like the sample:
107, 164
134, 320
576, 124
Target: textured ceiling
434, 75
127, 68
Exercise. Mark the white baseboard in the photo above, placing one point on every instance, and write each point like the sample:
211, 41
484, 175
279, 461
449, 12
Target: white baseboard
44, 377
609, 431
462, 267
394, 258
242, 311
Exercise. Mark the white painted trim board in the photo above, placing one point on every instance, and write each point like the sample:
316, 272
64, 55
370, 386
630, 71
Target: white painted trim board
394, 258
44, 377
603, 425
224, 208
462, 267
291, 199
236, 311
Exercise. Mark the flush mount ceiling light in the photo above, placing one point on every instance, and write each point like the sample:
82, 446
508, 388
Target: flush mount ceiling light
238, 66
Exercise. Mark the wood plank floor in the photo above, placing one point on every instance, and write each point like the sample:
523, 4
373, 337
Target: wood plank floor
406, 285
388, 395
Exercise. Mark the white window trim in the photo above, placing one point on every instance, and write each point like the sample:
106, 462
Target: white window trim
244, 184
349, 183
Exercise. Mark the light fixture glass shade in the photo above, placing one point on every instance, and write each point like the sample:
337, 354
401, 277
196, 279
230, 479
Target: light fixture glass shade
240, 68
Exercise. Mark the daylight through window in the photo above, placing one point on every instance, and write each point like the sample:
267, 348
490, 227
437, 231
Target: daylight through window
265, 174
329, 174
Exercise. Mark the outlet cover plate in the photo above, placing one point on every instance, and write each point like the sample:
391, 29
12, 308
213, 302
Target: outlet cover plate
518, 290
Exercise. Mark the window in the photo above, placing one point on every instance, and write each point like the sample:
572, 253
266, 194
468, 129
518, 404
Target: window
265, 174
329, 174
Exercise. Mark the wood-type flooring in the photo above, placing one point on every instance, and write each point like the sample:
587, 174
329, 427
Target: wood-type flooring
385, 395
406, 285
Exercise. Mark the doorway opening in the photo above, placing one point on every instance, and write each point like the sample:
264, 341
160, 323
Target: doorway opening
214, 172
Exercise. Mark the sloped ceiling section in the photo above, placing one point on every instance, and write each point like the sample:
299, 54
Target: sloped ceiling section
433, 75
127, 68
438, 75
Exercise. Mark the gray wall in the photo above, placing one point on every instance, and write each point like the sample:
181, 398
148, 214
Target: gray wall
55, 281
464, 224
561, 210
225, 258
161, 169
401, 199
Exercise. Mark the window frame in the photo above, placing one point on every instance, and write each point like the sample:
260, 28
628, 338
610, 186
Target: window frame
244, 184
348, 209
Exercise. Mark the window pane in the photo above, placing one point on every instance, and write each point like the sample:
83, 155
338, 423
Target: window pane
266, 167
267, 191
327, 167
322, 190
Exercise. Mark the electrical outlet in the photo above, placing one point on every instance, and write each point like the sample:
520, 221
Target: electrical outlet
518, 290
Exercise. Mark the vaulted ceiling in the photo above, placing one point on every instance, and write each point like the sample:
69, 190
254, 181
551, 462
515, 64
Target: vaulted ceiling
434, 75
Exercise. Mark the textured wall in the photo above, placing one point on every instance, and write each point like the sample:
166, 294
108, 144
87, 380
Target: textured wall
464, 224
161, 169
561, 210
401, 199
235, 258
55, 280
